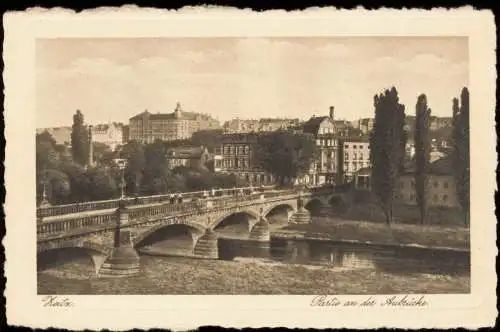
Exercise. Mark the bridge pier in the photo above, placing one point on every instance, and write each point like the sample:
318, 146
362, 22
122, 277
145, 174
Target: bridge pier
206, 246
302, 216
325, 210
260, 231
123, 260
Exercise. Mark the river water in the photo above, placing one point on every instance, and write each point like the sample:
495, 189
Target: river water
278, 267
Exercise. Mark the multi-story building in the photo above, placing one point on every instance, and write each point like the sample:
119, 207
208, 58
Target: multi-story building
441, 189
126, 133
147, 127
324, 128
261, 125
110, 134
237, 156
62, 135
241, 126
354, 154
365, 125
195, 157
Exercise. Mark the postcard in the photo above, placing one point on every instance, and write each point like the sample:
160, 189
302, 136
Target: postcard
211, 166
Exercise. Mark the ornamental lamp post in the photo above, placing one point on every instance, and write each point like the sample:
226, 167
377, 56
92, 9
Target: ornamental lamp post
122, 164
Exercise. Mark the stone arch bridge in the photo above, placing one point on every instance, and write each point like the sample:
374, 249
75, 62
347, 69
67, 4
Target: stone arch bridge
112, 236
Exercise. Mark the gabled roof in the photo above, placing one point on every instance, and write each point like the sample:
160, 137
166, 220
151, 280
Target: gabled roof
312, 125
442, 166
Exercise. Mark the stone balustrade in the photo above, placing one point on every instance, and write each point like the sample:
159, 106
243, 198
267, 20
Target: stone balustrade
57, 210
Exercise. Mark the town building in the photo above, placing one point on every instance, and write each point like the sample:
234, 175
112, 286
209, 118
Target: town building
194, 157
148, 127
236, 155
441, 189
365, 125
262, 125
325, 169
110, 134
62, 135
126, 133
237, 125
354, 154
437, 123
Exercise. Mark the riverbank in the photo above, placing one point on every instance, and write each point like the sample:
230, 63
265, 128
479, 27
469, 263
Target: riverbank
332, 229
180, 275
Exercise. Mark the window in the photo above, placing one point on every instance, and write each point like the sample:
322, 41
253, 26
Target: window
445, 198
354, 146
435, 198
355, 156
360, 156
401, 185
445, 185
436, 184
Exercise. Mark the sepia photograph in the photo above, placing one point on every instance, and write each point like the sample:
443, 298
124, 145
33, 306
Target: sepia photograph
223, 167
252, 165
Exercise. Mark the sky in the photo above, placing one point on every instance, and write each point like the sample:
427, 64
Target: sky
115, 79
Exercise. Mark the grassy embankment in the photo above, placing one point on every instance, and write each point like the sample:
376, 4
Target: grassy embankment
331, 228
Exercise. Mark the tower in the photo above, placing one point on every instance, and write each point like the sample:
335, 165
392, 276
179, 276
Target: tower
332, 112
178, 110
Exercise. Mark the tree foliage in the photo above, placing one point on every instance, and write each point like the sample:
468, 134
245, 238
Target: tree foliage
422, 154
79, 139
461, 151
134, 153
285, 155
387, 148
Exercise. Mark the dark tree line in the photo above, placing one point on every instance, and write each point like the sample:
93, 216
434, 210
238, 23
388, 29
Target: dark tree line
387, 149
422, 154
461, 154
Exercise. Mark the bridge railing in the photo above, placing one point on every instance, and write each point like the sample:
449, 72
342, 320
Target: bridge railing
63, 225
56, 210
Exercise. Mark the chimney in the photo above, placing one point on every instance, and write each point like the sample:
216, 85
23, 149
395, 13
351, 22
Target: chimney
332, 112
91, 148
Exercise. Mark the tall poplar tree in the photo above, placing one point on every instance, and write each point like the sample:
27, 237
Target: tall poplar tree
387, 148
461, 151
79, 139
422, 154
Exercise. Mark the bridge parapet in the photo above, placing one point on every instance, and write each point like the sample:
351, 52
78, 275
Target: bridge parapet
47, 228
139, 214
56, 210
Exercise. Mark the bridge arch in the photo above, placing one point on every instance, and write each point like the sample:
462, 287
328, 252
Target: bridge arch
58, 253
314, 205
194, 230
277, 213
219, 221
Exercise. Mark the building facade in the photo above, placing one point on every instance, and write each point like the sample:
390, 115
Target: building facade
110, 134
194, 157
326, 168
354, 155
147, 127
62, 135
236, 156
441, 189
262, 125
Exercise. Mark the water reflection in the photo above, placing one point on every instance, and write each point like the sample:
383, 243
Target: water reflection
349, 256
